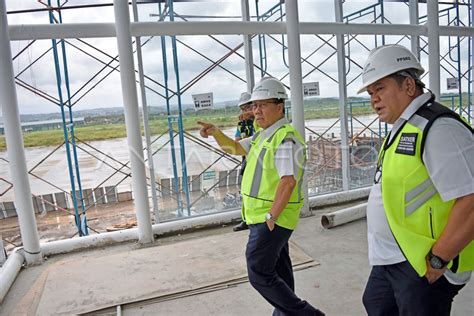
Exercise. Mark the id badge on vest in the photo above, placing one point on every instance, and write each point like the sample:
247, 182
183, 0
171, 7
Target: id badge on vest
407, 144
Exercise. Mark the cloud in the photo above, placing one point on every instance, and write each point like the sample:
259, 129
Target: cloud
192, 64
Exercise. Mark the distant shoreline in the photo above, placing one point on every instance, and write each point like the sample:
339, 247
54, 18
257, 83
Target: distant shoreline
158, 126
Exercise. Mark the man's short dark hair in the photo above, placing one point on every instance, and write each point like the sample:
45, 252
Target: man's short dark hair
400, 77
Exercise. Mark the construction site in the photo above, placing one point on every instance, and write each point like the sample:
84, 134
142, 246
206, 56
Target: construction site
142, 225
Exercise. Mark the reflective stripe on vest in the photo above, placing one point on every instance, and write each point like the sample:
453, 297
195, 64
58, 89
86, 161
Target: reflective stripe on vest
257, 176
260, 180
415, 211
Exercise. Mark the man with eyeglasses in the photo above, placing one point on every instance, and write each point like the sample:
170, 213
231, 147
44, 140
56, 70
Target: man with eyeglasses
272, 195
420, 213
245, 128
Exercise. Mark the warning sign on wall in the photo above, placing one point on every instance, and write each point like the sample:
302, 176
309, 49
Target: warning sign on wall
203, 100
452, 83
310, 89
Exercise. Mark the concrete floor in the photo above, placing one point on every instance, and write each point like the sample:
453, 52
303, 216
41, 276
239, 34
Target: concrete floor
335, 286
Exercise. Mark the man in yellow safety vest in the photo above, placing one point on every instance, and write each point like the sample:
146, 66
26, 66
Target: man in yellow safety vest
272, 195
420, 213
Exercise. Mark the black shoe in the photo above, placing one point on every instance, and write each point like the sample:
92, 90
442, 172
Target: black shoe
241, 226
319, 313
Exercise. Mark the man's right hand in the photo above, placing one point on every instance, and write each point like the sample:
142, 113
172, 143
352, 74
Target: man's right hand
207, 129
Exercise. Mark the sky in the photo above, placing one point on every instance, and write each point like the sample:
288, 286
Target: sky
86, 58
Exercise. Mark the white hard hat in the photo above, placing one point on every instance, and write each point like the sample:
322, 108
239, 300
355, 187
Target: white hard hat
386, 60
244, 98
268, 88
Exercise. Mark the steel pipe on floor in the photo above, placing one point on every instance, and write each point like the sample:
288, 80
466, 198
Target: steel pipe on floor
216, 219
9, 271
126, 235
344, 216
338, 197
14, 262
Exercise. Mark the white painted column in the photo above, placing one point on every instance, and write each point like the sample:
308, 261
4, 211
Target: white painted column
471, 115
146, 126
249, 70
16, 154
341, 72
433, 47
132, 121
296, 84
415, 40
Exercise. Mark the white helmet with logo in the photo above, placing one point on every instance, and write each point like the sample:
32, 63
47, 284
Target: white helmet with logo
386, 60
268, 88
244, 98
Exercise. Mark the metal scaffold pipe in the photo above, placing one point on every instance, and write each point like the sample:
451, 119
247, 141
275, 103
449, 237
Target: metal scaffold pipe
344, 216
146, 126
182, 150
341, 68
249, 71
433, 47
15, 151
9, 272
98, 30
415, 40
296, 85
73, 165
132, 120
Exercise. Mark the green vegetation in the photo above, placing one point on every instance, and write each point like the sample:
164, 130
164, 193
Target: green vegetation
224, 118
101, 128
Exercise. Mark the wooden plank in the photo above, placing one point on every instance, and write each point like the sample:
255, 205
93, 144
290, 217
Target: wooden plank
149, 273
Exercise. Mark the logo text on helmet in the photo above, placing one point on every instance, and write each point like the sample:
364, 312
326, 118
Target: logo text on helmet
403, 58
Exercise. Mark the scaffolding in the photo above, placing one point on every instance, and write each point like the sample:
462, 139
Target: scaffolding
343, 166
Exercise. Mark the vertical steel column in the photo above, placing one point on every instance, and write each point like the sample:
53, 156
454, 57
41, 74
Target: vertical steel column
146, 126
470, 102
84, 228
14, 140
169, 117
459, 61
296, 85
415, 39
184, 169
132, 120
248, 48
341, 68
80, 218
261, 45
433, 47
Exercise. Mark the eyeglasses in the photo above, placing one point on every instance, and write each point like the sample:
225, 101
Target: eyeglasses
246, 107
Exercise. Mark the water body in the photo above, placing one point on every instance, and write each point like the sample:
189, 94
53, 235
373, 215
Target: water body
105, 162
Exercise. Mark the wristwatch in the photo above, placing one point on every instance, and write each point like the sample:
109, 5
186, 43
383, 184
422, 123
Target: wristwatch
270, 217
436, 262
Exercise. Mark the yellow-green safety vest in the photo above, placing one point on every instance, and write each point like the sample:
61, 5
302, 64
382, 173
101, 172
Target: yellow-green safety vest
415, 211
261, 179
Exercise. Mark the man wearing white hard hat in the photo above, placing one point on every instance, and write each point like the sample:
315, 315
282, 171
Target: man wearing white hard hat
272, 195
245, 128
420, 213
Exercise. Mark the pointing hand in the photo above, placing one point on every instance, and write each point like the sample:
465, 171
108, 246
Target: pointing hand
206, 129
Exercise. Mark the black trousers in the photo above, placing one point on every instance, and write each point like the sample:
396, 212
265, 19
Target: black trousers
398, 290
270, 271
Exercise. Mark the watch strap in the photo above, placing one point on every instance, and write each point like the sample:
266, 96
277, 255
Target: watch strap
431, 255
